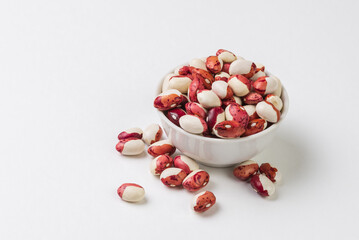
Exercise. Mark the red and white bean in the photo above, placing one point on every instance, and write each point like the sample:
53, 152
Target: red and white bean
160, 163
173, 177
131, 192
194, 87
214, 64
272, 173
240, 85
194, 108
242, 67
152, 134
160, 148
180, 83
187, 164
262, 185
252, 98
245, 170
168, 99
228, 129
130, 146
203, 201
215, 115
275, 100
237, 113
131, 133
265, 85
208, 99
268, 112
196, 180
222, 76
255, 126
251, 110
226, 56
175, 114
193, 124
198, 63
222, 89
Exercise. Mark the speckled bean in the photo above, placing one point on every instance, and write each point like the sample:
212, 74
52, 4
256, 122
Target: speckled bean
196, 180
272, 173
203, 201
160, 163
160, 148
173, 177
245, 170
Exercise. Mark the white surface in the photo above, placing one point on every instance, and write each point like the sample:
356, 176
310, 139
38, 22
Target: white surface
73, 74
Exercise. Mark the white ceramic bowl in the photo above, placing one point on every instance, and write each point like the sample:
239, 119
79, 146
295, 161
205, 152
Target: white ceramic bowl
216, 152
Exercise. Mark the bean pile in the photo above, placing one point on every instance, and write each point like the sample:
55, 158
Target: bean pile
262, 178
180, 171
222, 96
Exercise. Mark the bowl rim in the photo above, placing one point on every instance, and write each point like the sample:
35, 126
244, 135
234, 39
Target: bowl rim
234, 140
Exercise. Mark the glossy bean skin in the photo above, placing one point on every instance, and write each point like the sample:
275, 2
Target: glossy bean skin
173, 177
161, 148
131, 133
203, 201
168, 100
185, 163
214, 64
194, 108
228, 129
237, 113
252, 98
215, 115
194, 87
160, 163
255, 126
245, 170
196, 180
175, 114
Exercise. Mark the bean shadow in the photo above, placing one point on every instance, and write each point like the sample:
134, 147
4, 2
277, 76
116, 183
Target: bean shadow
288, 152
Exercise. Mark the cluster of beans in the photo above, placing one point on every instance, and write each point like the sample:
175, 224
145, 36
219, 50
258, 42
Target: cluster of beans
262, 178
180, 171
221, 96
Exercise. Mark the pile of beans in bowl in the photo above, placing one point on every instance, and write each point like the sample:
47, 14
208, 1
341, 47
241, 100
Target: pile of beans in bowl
221, 96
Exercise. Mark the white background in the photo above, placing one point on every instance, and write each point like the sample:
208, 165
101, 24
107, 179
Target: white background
74, 74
